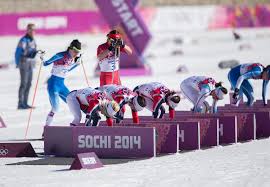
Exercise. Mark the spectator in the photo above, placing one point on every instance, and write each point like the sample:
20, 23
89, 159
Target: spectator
25, 61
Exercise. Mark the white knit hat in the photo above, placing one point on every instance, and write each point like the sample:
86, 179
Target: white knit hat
136, 104
109, 108
171, 102
219, 93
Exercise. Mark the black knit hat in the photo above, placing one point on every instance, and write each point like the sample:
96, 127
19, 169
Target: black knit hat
76, 45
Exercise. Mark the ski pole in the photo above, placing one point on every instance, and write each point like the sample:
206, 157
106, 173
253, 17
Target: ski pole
85, 76
113, 64
116, 54
35, 91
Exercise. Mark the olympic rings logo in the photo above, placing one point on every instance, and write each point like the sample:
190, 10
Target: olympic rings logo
3, 152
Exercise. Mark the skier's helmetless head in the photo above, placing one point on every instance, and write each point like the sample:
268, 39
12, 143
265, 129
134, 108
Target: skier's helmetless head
74, 48
30, 29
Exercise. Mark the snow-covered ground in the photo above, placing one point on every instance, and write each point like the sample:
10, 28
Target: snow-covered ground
243, 164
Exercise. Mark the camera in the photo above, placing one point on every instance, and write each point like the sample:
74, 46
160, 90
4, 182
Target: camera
116, 42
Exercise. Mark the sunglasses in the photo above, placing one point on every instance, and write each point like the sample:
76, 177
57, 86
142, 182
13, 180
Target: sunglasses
76, 49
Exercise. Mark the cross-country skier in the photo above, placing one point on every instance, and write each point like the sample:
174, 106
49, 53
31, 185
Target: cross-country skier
198, 88
155, 94
108, 56
123, 95
63, 63
239, 78
91, 102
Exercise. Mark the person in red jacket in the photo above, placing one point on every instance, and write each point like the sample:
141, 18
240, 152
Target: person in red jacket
124, 96
108, 55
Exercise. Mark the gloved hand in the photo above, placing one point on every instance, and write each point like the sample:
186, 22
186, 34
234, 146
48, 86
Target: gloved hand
96, 118
111, 48
119, 117
113, 45
41, 54
78, 59
87, 120
156, 113
33, 54
120, 43
162, 111
236, 94
123, 102
218, 84
41, 58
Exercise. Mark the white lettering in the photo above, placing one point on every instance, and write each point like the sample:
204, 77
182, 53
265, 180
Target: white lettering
116, 3
55, 22
125, 142
127, 17
137, 30
81, 140
117, 142
182, 135
137, 141
46, 22
122, 8
109, 142
220, 129
22, 22
132, 24
89, 161
103, 143
99, 142
89, 141
131, 142
96, 145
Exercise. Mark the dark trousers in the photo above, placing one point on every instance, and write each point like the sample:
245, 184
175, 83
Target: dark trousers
26, 72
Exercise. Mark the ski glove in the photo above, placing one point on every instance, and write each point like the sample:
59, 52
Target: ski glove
156, 113
121, 43
78, 59
111, 48
119, 117
41, 54
236, 93
87, 120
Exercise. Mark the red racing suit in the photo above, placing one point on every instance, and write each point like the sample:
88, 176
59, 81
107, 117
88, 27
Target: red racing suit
121, 95
89, 100
109, 66
154, 93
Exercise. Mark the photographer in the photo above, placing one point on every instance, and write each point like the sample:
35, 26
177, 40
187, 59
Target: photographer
108, 55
